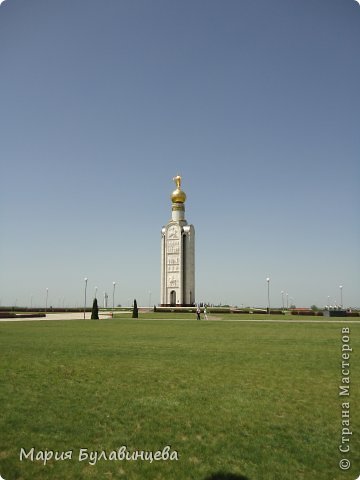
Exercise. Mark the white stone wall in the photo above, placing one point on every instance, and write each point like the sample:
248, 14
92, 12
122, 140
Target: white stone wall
163, 263
189, 265
178, 263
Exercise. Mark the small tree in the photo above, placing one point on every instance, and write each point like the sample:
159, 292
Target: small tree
95, 310
135, 313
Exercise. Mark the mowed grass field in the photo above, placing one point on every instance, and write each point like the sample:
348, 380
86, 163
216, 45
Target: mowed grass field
255, 401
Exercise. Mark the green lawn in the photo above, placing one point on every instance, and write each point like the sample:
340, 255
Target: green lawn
256, 400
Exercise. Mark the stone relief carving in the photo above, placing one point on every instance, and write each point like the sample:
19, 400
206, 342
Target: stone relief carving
173, 263
173, 246
173, 268
173, 232
172, 282
173, 260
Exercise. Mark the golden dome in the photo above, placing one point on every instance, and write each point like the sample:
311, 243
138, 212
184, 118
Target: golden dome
178, 196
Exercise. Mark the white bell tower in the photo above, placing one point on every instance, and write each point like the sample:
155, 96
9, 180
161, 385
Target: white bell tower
177, 255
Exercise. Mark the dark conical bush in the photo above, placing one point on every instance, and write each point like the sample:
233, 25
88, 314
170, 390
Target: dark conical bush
135, 313
95, 310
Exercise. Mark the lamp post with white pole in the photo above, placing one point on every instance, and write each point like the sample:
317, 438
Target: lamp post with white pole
46, 302
341, 297
268, 293
114, 283
86, 280
282, 298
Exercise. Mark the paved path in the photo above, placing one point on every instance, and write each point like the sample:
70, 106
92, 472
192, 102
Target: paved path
57, 316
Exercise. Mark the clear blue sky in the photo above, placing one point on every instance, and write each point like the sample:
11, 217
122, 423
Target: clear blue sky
255, 103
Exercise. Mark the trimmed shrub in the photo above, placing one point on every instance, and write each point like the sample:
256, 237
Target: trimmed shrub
135, 313
95, 310
302, 312
7, 315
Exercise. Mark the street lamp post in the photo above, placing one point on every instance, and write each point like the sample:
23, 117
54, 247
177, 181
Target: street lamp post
46, 302
86, 280
268, 293
114, 283
341, 297
287, 301
282, 298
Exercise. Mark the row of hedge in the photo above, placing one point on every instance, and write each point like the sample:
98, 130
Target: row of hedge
21, 315
43, 309
229, 310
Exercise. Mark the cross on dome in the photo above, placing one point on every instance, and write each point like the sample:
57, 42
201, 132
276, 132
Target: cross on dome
178, 196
